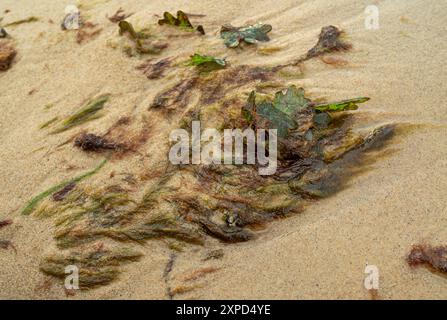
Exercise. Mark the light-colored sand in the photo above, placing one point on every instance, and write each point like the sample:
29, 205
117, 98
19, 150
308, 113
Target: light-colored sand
321, 253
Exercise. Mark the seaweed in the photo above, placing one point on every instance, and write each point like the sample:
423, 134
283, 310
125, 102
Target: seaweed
140, 40
328, 41
94, 143
4, 223
87, 113
61, 194
88, 30
97, 265
3, 33
119, 15
30, 206
181, 21
206, 63
7, 55
214, 254
155, 70
19, 22
48, 123
433, 257
251, 34
350, 104
6, 244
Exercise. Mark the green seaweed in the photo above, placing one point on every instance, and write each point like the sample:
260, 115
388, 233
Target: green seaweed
48, 123
234, 36
87, 113
97, 266
344, 105
206, 63
35, 201
27, 20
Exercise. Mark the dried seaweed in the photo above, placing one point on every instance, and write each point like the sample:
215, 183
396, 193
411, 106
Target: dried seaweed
119, 15
87, 31
155, 70
140, 40
97, 265
92, 142
214, 254
87, 113
4, 223
35, 201
181, 21
328, 41
251, 34
7, 55
61, 194
435, 258
6, 244
19, 22
3, 33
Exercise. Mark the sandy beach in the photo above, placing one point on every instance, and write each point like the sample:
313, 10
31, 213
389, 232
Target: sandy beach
396, 201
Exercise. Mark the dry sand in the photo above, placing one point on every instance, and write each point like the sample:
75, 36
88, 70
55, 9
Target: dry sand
321, 253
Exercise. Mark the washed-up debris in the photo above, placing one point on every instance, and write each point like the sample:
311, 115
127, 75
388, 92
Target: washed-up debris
35, 201
95, 143
3, 33
6, 244
329, 40
4, 223
88, 113
72, 19
350, 104
97, 265
252, 34
140, 40
206, 63
61, 194
48, 123
435, 258
119, 15
7, 55
181, 21
19, 22
155, 70
199, 273
214, 254
88, 30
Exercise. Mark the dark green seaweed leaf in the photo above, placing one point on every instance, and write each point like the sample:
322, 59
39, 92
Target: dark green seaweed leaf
251, 34
35, 201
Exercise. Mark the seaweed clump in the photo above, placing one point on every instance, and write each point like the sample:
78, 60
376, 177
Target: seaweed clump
435, 258
7, 55
97, 264
87, 113
140, 42
92, 142
233, 36
181, 21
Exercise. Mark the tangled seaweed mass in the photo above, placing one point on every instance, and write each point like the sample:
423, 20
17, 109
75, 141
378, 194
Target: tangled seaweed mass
97, 228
